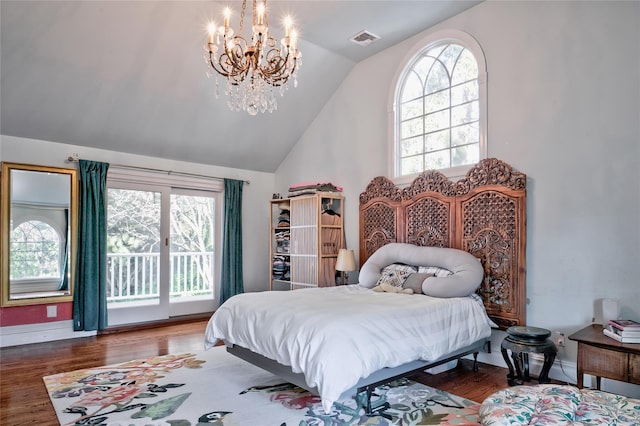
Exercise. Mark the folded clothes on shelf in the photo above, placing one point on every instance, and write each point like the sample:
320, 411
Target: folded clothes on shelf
283, 219
280, 267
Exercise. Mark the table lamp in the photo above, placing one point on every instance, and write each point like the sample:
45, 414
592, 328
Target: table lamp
345, 263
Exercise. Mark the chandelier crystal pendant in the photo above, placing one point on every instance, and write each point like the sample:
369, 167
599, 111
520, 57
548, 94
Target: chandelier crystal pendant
254, 68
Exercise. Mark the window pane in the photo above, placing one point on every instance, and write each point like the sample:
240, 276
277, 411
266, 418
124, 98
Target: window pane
437, 141
412, 87
435, 51
423, 67
450, 55
438, 79
411, 146
465, 134
437, 160
191, 251
467, 154
411, 165
411, 128
436, 121
411, 109
466, 69
133, 246
437, 101
465, 113
464, 93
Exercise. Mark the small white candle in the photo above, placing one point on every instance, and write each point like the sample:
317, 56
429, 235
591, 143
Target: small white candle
260, 10
227, 16
287, 26
211, 28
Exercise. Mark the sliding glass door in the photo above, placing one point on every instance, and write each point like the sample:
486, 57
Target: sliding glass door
161, 252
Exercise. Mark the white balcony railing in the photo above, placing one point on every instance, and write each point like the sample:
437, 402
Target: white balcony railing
135, 276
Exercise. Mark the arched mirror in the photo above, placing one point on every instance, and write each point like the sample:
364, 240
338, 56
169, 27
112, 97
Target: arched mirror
38, 228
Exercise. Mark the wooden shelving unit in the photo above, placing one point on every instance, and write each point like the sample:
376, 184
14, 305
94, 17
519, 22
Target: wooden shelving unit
306, 234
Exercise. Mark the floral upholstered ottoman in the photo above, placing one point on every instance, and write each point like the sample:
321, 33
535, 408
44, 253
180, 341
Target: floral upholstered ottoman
558, 405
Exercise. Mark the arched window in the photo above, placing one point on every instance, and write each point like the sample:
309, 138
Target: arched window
35, 251
439, 107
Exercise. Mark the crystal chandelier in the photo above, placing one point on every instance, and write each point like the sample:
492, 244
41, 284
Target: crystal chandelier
254, 69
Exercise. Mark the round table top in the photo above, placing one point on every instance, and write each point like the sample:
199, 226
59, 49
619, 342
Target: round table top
532, 333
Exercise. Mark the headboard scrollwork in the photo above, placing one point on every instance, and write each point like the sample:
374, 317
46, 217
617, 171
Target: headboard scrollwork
484, 214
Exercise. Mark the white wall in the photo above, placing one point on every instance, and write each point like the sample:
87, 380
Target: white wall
255, 208
563, 108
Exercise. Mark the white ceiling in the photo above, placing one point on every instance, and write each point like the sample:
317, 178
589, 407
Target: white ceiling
129, 76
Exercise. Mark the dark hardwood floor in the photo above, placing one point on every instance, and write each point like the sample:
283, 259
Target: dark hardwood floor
24, 400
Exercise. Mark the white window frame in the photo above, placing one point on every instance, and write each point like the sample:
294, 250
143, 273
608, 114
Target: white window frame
423, 45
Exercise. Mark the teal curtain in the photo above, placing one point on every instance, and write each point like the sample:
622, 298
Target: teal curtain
90, 293
232, 241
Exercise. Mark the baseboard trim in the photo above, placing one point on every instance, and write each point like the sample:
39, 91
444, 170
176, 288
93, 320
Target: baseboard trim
182, 319
25, 334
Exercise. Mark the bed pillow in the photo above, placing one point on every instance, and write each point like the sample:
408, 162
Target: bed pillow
435, 271
414, 282
396, 274
466, 277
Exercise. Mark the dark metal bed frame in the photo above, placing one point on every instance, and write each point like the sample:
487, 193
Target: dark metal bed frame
365, 386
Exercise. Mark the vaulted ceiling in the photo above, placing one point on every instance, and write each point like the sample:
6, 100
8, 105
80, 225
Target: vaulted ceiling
129, 76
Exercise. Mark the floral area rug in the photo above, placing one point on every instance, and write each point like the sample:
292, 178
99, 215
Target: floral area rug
215, 387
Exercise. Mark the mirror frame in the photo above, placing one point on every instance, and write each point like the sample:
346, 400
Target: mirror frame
5, 209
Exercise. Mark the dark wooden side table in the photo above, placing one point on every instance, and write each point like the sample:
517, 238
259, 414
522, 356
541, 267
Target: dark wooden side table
602, 356
522, 340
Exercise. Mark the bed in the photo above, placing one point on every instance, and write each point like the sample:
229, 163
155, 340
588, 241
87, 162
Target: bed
337, 337
342, 340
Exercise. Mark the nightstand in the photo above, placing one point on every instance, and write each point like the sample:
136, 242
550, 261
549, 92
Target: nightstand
602, 356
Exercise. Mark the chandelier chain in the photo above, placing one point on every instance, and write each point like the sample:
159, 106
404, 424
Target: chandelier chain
244, 6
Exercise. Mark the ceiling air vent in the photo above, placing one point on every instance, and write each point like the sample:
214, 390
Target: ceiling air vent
364, 38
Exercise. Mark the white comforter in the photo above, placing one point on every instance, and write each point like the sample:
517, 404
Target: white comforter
337, 335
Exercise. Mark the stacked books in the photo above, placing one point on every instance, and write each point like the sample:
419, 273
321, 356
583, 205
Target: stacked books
624, 331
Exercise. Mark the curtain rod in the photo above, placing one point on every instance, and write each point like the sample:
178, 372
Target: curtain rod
72, 159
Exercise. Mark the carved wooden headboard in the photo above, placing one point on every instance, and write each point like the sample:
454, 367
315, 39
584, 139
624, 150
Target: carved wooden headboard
483, 213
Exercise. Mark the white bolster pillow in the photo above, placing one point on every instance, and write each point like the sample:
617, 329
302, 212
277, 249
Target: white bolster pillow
466, 277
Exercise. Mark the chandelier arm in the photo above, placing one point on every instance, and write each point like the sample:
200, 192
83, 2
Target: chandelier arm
223, 67
277, 69
280, 77
274, 77
280, 81
236, 57
218, 67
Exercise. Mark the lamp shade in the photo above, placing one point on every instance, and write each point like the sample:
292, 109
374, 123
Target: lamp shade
346, 260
